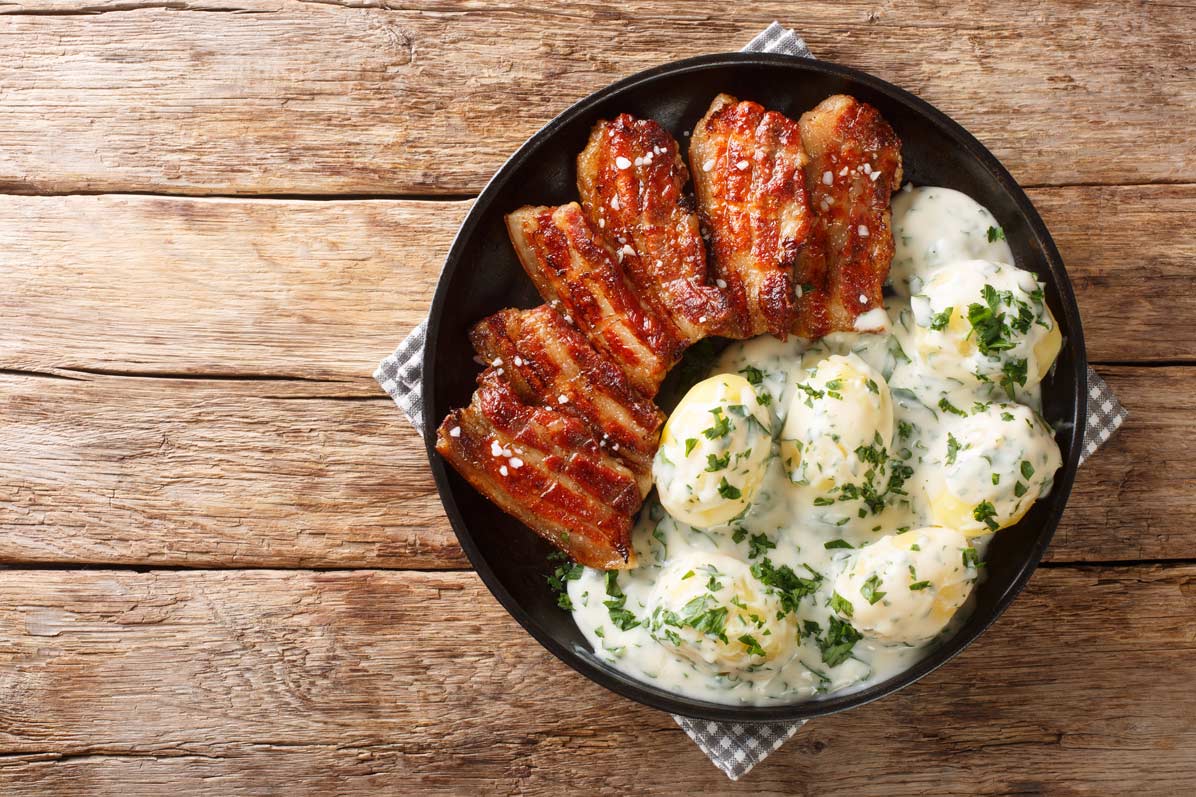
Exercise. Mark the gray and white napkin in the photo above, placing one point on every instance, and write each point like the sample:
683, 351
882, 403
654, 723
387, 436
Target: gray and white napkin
734, 747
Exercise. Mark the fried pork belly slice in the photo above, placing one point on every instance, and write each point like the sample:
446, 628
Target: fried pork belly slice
544, 468
631, 180
548, 362
576, 272
747, 166
855, 166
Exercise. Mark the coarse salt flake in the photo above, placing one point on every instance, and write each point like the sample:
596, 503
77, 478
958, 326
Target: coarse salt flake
622, 162
455, 431
518, 361
863, 231
503, 470
742, 165
562, 399
722, 284
495, 449
827, 178
708, 165
516, 462
614, 202
863, 299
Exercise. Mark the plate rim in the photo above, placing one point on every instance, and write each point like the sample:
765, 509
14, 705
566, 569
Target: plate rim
625, 685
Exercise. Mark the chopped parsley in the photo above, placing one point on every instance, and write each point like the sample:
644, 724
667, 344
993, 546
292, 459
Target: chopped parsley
739, 535
722, 425
833, 544
836, 646
986, 513
715, 463
1019, 489
1027, 470
728, 490
822, 500
872, 386
917, 586
971, 557
752, 374
842, 605
760, 544
622, 617
995, 234
869, 589
947, 406
904, 428
1007, 416
1013, 371
952, 448
753, 647
564, 572
789, 586
689, 445
939, 321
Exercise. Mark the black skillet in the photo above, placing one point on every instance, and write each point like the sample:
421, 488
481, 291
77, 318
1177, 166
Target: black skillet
482, 275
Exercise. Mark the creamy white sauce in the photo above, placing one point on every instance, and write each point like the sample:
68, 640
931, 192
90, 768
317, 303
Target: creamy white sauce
702, 615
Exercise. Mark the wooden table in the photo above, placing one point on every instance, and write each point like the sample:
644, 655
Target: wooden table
228, 570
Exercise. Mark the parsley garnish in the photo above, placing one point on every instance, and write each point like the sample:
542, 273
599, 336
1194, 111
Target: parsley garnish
868, 590
995, 234
1027, 470
833, 544
986, 513
947, 406
722, 425
952, 448
842, 605
623, 619
837, 644
714, 463
790, 587
760, 544
564, 572
971, 557
752, 374
822, 500
728, 490
739, 535
919, 585
689, 445
904, 428
939, 321
1019, 489
753, 647
1013, 371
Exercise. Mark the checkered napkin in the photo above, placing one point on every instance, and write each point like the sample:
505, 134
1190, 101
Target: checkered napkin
734, 747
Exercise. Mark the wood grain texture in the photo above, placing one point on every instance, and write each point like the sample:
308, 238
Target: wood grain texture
281, 96
218, 473
118, 683
323, 290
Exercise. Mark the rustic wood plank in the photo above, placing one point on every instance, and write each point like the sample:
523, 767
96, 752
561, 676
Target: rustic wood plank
323, 290
204, 473
369, 682
213, 473
288, 97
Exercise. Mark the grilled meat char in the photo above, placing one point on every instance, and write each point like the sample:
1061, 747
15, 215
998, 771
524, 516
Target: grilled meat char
748, 170
579, 274
544, 467
854, 168
548, 362
632, 180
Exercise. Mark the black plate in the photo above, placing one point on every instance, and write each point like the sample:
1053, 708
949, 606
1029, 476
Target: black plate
483, 275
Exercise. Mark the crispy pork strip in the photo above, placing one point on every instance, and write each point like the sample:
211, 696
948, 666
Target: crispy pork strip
548, 362
855, 166
544, 468
631, 179
576, 272
747, 165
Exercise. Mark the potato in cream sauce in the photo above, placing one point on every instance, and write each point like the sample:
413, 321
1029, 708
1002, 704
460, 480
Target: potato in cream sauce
822, 509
